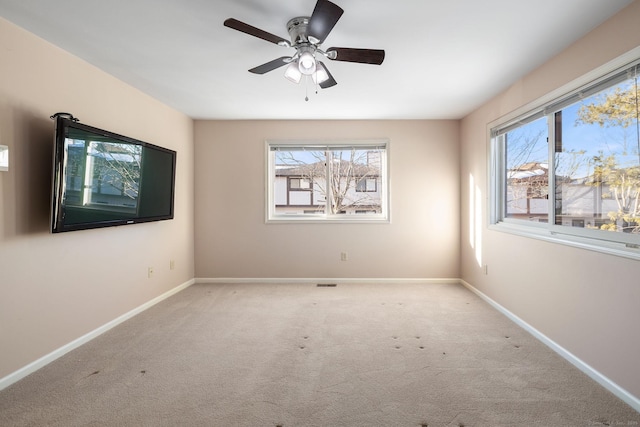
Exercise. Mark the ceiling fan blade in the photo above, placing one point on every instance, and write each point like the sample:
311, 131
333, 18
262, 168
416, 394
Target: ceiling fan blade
271, 65
330, 81
253, 31
324, 18
362, 56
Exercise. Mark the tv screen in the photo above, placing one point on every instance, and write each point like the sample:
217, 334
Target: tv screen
102, 179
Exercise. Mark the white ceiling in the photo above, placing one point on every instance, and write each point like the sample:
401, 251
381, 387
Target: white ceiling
443, 58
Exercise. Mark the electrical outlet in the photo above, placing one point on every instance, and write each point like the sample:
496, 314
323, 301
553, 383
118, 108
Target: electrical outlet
150, 272
485, 269
172, 265
344, 256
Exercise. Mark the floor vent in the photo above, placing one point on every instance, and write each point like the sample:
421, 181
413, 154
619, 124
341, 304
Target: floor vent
327, 285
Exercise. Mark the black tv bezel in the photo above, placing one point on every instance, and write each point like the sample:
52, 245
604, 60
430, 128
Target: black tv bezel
57, 224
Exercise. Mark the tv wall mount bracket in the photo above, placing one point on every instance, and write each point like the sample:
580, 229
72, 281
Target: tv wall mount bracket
64, 115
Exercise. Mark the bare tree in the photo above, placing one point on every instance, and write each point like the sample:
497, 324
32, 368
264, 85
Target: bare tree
118, 165
336, 175
527, 169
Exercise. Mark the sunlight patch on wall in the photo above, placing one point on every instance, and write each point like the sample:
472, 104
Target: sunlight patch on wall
472, 211
478, 227
475, 219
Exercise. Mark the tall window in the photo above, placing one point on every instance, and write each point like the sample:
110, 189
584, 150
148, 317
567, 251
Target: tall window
327, 181
572, 166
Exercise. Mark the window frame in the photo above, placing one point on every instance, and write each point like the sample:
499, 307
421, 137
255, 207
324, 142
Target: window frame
382, 183
619, 244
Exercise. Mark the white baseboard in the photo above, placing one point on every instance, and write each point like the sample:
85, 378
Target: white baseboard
621, 393
306, 280
34, 366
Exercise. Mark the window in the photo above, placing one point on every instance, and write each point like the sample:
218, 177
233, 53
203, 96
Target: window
299, 183
316, 181
366, 185
570, 169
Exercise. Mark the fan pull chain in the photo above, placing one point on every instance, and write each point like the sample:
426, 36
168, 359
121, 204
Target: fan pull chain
306, 88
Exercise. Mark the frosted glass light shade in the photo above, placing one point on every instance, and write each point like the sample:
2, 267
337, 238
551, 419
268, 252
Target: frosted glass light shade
292, 73
321, 75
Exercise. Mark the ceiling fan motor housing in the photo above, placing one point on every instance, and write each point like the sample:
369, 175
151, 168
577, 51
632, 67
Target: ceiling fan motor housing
297, 28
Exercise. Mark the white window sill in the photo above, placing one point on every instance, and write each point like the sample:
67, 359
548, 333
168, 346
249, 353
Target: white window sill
603, 246
353, 219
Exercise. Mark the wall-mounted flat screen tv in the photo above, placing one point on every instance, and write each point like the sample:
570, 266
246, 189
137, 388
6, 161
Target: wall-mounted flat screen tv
102, 179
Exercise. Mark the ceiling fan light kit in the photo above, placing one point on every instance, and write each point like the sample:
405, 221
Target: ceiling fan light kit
307, 34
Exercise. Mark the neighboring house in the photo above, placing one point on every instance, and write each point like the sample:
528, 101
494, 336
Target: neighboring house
527, 192
302, 189
581, 202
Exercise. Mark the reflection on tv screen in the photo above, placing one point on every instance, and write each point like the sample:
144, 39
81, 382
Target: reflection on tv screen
102, 174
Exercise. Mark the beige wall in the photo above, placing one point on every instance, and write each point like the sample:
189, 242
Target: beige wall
56, 288
233, 241
587, 302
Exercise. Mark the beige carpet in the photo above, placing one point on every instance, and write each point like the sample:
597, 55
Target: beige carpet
299, 355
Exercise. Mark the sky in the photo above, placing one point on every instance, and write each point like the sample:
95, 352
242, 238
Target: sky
580, 142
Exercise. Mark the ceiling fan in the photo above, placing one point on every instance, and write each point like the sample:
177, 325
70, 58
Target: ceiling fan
307, 34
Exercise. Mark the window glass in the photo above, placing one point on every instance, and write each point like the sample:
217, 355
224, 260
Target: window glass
349, 167
597, 161
527, 172
330, 181
573, 165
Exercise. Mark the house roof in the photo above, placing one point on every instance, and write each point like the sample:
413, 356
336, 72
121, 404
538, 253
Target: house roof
529, 170
318, 169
